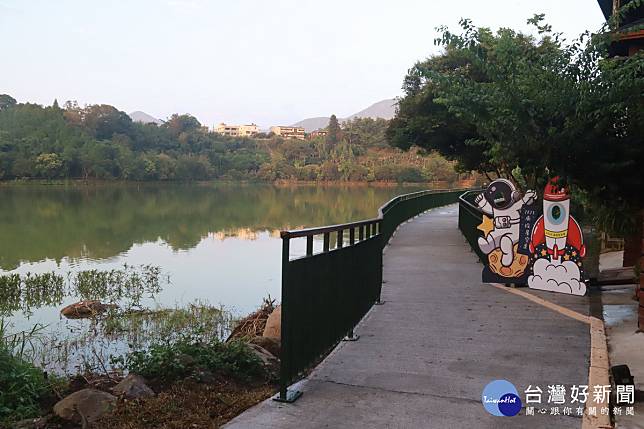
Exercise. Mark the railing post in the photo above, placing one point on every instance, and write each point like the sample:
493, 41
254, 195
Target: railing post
285, 353
351, 336
309, 245
381, 246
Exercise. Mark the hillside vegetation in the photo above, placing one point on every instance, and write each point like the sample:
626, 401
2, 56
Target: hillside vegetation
101, 142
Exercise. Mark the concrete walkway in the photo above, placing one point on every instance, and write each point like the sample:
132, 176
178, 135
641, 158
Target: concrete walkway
424, 357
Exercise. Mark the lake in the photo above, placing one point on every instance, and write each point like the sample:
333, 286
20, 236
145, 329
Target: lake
215, 243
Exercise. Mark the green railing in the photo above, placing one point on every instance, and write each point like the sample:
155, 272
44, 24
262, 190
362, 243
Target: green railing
469, 218
325, 294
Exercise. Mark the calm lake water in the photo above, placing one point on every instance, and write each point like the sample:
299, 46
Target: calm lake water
217, 243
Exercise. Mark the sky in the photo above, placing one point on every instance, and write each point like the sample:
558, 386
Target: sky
269, 62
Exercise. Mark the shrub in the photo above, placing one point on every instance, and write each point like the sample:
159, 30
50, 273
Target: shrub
329, 171
357, 173
23, 387
171, 361
398, 173
308, 172
384, 173
193, 167
409, 174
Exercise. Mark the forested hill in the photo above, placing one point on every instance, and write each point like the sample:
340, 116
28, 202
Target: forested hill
101, 142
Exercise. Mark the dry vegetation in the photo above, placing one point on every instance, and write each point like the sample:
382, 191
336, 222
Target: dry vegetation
253, 325
189, 404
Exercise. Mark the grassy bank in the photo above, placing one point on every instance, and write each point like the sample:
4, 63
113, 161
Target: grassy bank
198, 379
25, 389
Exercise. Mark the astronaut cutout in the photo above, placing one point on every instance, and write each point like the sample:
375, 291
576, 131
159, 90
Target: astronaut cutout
502, 201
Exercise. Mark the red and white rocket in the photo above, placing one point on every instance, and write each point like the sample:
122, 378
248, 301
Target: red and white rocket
556, 227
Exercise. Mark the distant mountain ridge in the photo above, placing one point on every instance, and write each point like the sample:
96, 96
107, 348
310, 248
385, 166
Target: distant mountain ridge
385, 109
144, 118
312, 124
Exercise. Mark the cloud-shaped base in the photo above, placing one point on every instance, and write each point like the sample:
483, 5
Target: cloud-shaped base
557, 277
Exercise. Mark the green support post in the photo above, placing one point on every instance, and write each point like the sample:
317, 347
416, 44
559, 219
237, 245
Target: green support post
284, 394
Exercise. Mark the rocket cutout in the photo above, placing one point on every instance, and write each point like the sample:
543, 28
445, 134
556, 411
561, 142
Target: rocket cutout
556, 227
557, 245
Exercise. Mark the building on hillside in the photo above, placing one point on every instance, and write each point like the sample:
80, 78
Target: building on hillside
288, 132
236, 130
318, 133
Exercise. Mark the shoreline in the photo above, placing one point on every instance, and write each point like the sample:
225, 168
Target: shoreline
277, 183
247, 377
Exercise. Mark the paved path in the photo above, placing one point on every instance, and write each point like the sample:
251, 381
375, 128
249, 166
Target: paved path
424, 356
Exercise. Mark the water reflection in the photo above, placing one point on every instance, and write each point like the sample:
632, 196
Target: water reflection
218, 243
102, 221
99, 343
118, 288
22, 293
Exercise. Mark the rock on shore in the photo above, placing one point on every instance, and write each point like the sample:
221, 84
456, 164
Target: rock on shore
274, 324
85, 309
133, 387
85, 405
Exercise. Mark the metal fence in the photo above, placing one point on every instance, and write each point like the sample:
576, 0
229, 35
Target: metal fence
469, 218
325, 294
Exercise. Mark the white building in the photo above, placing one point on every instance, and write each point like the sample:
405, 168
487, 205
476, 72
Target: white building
237, 130
288, 132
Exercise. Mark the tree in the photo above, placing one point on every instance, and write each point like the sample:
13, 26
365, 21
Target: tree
328, 171
191, 167
178, 124
166, 167
422, 121
49, 165
72, 113
365, 132
6, 101
334, 133
297, 152
101, 142
104, 121
532, 107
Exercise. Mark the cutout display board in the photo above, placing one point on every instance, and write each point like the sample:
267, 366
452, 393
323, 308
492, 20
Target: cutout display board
540, 245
